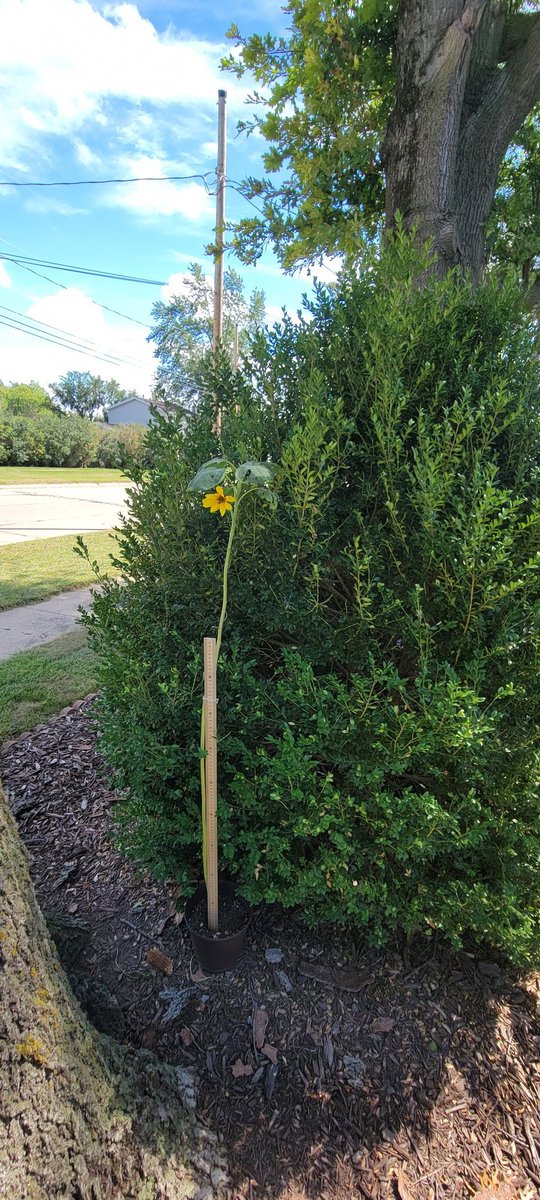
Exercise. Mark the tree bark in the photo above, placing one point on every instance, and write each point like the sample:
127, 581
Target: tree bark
467, 76
80, 1115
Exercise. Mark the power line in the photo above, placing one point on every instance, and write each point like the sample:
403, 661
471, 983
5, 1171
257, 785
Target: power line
65, 288
97, 182
40, 262
82, 342
57, 283
21, 327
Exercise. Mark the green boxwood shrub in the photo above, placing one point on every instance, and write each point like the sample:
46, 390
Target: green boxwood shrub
46, 439
119, 444
50, 439
21, 441
379, 711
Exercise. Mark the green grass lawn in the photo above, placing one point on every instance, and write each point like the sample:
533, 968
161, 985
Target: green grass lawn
15, 475
35, 684
34, 570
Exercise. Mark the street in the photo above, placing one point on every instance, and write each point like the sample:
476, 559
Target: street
29, 511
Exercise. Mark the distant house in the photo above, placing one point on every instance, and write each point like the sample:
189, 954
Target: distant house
137, 411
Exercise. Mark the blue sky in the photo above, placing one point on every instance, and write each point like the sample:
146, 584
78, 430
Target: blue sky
94, 90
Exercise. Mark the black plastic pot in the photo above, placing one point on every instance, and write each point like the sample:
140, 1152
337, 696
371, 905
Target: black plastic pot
217, 954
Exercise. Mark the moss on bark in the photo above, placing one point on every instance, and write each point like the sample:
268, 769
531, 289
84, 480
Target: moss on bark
80, 1115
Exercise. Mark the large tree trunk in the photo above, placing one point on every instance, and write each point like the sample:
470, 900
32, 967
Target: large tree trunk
80, 1115
467, 76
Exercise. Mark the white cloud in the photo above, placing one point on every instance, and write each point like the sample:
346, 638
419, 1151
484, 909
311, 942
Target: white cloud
5, 280
150, 198
141, 133
24, 357
62, 61
85, 155
176, 286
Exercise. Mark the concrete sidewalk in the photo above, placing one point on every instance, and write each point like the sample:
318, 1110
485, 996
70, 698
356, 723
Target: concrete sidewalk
32, 625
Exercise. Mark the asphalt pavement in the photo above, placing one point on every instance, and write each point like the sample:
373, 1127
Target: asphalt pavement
41, 510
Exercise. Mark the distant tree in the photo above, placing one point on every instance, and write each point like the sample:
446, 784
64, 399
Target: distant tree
86, 394
182, 334
513, 234
24, 399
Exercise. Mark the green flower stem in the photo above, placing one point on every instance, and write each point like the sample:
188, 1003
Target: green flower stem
222, 616
226, 565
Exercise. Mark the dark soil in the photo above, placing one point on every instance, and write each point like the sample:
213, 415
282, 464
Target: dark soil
328, 1070
233, 916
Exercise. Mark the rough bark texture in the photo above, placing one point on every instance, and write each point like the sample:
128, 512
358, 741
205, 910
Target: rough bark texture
80, 1115
467, 76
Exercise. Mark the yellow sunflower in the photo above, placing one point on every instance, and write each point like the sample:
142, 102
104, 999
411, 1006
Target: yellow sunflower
218, 502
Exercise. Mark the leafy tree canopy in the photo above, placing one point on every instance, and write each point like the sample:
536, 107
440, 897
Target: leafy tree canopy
182, 334
323, 99
514, 229
86, 394
23, 399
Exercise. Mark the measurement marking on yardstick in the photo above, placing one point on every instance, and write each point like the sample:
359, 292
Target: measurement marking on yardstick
210, 702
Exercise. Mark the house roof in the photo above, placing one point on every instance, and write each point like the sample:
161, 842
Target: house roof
129, 400
159, 405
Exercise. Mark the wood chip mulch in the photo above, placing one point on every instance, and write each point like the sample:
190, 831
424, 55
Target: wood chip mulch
328, 1070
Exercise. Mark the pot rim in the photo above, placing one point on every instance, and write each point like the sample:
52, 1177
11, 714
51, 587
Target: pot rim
194, 900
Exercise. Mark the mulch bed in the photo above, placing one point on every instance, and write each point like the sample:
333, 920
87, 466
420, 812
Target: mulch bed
326, 1069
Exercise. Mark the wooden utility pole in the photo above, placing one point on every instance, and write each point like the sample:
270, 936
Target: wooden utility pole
220, 216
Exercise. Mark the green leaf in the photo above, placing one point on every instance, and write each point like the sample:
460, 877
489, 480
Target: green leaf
256, 473
266, 494
209, 475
